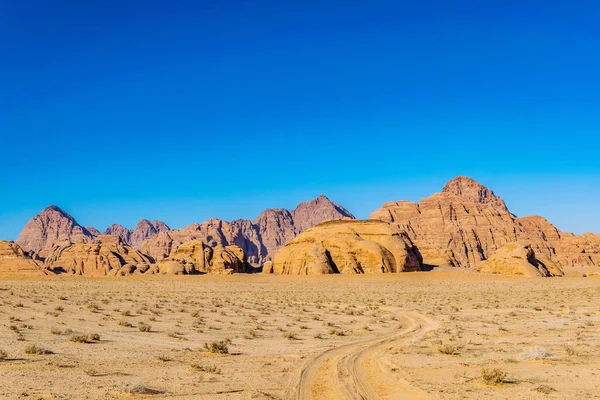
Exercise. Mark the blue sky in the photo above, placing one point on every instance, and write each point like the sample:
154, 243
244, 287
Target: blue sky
186, 110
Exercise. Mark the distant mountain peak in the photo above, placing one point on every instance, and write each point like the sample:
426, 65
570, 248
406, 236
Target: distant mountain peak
470, 190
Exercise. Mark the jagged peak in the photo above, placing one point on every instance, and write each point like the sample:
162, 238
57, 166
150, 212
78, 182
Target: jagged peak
472, 191
143, 222
52, 207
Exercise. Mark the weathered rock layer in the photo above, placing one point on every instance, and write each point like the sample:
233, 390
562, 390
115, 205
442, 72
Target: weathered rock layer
464, 224
259, 239
52, 227
347, 247
97, 259
515, 259
14, 259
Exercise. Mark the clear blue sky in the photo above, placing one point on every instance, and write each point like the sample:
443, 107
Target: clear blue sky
185, 110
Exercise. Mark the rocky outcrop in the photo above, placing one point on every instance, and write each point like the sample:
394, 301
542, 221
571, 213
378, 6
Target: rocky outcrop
258, 239
516, 259
14, 260
347, 247
119, 230
196, 257
52, 227
464, 224
144, 230
105, 257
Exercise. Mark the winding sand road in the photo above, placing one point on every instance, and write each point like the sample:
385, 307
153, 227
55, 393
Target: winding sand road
358, 370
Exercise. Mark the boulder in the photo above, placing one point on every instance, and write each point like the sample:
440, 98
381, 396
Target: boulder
348, 247
517, 259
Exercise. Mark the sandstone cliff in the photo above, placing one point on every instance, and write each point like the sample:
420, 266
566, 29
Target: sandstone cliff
464, 224
347, 247
196, 257
14, 259
97, 259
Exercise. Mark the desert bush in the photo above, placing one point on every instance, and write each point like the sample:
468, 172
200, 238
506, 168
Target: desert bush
125, 324
493, 376
450, 348
570, 350
210, 369
545, 389
289, 336
78, 339
3, 355
144, 327
35, 349
219, 347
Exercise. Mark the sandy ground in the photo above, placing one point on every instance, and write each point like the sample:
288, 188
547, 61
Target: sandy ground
406, 336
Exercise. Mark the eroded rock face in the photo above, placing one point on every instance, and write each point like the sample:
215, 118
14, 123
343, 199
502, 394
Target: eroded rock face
52, 227
258, 239
464, 224
517, 259
119, 230
14, 260
96, 259
197, 257
144, 230
347, 247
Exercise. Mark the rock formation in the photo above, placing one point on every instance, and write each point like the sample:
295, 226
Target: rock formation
515, 259
464, 224
144, 230
14, 259
119, 230
52, 227
258, 239
97, 259
196, 257
347, 247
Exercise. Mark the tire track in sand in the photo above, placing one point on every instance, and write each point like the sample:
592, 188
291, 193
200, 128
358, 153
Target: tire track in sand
357, 370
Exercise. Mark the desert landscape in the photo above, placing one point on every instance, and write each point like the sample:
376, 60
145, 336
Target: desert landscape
453, 297
299, 200
420, 335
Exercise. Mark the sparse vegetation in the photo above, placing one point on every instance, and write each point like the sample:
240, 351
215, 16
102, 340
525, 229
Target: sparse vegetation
493, 377
144, 327
451, 349
220, 347
35, 349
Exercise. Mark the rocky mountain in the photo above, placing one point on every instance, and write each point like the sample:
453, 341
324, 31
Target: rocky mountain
466, 223
144, 230
258, 239
347, 247
52, 227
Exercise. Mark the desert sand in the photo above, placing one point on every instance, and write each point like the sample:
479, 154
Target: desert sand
418, 335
